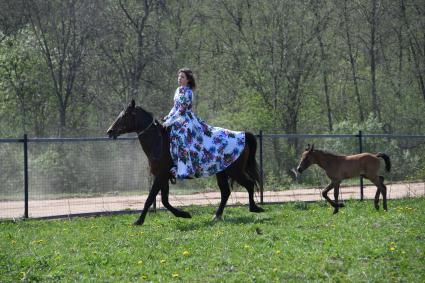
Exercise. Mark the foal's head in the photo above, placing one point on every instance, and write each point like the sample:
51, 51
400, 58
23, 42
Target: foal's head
307, 159
131, 119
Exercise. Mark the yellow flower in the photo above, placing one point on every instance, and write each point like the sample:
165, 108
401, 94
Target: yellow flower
140, 262
186, 253
392, 249
275, 269
246, 247
278, 252
175, 275
13, 242
144, 276
163, 261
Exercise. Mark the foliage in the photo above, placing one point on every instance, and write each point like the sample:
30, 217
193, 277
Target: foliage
67, 68
291, 242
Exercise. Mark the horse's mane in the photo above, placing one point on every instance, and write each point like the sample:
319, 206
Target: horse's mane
150, 114
141, 108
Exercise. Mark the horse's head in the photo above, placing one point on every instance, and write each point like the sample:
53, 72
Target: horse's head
131, 119
307, 159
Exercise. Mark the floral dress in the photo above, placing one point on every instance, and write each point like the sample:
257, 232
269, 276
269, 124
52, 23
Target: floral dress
198, 149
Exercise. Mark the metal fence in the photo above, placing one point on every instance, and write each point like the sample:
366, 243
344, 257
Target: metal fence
59, 177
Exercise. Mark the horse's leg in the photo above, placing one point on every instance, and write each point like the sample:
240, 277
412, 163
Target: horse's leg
376, 181
383, 192
325, 194
165, 191
223, 184
151, 198
249, 186
376, 200
336, 194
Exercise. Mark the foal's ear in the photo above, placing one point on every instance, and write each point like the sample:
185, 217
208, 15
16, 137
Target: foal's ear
311, 148
133, 103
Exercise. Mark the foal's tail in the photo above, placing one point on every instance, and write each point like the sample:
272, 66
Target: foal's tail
252, 166
386, 159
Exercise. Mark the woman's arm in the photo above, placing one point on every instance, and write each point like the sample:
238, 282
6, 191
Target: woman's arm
181, 105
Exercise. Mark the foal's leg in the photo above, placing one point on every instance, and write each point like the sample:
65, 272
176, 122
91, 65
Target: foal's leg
249, 186
151, 198
377, 182
383, 192
223, 184
325, 194
165, 190
336, 194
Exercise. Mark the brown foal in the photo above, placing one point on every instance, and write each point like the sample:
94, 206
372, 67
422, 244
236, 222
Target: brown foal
340, 167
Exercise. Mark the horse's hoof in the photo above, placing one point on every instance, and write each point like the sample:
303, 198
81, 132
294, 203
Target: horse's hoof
377, 207
138, 223
341, 204
256, 209
217, 218
185, 215
335, 211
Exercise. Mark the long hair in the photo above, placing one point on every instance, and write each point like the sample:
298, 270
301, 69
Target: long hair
190, 77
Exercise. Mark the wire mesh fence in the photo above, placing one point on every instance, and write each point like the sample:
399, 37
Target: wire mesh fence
96, 175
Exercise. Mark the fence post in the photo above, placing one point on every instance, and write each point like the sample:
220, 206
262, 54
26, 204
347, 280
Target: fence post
360, 151
26, 174
261, 168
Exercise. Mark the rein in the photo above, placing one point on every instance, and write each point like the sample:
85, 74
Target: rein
143, 131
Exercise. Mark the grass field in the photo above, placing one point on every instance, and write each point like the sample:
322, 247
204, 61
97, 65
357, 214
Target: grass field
289, 242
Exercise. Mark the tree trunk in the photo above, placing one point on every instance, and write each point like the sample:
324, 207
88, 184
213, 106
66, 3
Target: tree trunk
374, 23
352, 63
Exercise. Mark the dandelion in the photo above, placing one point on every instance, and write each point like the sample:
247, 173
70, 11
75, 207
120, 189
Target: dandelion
278, 252
140, 262
275, 269
246, 247
393, 246
144, 276
175, 275
163, 261
186, 253
13, 242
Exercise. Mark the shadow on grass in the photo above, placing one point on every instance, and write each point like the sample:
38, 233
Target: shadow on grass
232, 220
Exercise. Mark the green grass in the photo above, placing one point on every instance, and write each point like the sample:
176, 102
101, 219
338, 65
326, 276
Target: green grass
289, 242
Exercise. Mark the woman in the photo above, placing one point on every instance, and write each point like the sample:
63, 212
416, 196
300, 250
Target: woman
197, 149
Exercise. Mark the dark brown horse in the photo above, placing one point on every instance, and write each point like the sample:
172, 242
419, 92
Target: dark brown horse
154, 140
339, 167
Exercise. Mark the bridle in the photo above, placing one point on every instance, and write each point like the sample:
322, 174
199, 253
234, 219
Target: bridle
143, 131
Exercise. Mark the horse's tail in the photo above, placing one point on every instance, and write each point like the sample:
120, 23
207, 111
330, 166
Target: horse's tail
252, 166
386, 159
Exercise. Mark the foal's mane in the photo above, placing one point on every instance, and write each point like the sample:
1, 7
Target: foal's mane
325, 152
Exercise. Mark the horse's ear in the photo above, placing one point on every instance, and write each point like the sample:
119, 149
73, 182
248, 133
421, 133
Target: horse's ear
312, 147
308, 147
133, 103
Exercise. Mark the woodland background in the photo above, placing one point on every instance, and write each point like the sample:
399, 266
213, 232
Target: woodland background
67, 68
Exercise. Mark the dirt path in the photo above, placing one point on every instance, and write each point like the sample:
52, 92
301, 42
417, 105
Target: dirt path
45, 208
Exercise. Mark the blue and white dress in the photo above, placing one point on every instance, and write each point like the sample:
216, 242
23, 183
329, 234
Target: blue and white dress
198, 149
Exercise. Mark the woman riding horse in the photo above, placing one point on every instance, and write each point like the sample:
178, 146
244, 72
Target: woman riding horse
191, 149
